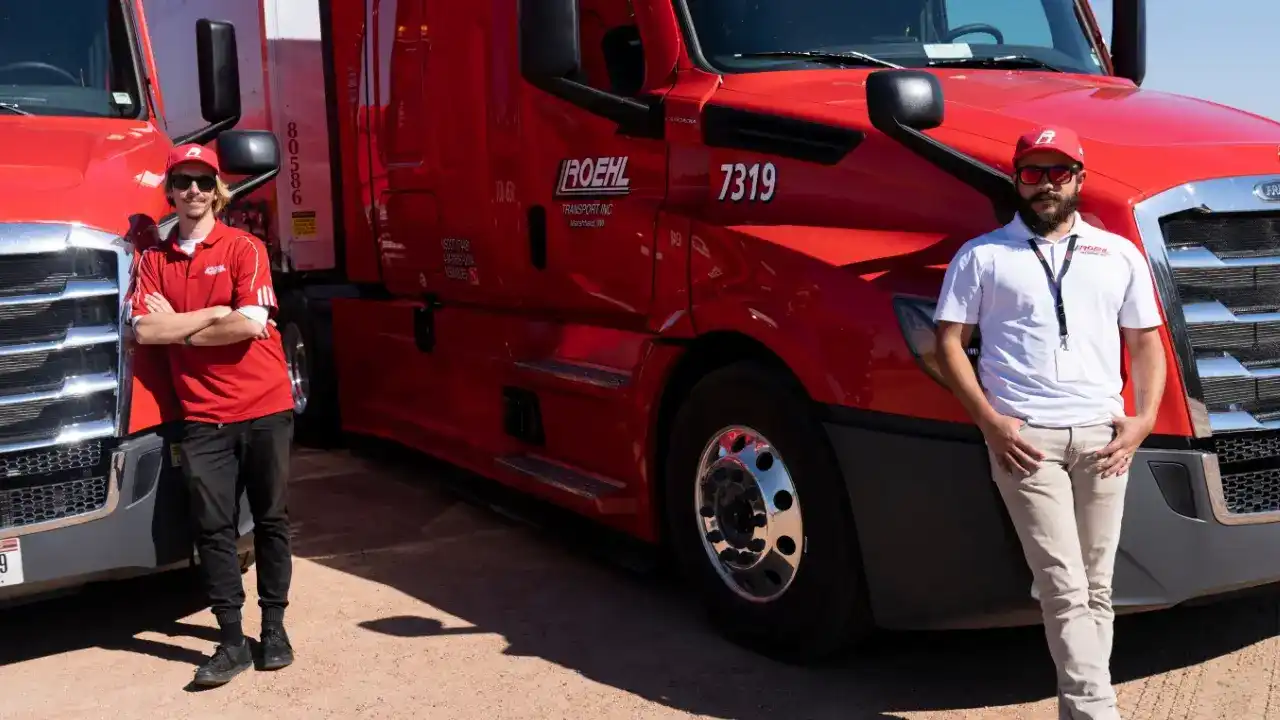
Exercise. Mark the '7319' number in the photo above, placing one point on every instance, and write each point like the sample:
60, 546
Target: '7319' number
762, 179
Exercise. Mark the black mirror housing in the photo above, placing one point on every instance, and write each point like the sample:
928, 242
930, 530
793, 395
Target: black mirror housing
910, 98
624, 59
549, 47
219, 67
1129, 39
248, 152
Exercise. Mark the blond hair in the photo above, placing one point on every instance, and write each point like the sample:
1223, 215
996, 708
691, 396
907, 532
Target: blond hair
221, 196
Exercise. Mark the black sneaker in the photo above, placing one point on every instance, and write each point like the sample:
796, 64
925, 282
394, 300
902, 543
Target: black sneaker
227, 662
276, 650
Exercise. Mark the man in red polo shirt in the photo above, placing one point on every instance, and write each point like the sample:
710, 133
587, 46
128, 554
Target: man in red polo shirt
206, 293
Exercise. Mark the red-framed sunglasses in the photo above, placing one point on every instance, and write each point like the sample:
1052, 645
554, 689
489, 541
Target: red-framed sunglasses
1057, 174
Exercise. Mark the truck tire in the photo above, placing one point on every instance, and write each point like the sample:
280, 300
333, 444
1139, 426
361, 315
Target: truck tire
307, 351
764, 532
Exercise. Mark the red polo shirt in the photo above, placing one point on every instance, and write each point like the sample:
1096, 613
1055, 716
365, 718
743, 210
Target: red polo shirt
228, 383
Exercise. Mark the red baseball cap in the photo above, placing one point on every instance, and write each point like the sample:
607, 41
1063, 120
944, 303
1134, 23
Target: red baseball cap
1050, 137
192, 152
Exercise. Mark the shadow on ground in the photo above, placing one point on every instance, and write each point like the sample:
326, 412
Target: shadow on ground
431, 532
109, 617
560, 592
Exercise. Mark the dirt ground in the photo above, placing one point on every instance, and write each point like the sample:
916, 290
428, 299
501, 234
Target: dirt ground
412, 602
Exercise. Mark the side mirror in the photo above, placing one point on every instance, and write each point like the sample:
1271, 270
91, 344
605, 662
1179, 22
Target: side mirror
903, 103
248, 152
1129, 39
254, 153
218, 65
549, 47
907, 98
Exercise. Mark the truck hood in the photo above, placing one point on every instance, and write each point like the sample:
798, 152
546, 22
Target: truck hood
90, 170
1145, 139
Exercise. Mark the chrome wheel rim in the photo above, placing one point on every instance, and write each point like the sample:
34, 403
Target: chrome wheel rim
295, 353
748, 514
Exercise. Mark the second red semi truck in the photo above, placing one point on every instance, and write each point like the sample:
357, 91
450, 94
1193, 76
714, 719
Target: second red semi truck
672, 263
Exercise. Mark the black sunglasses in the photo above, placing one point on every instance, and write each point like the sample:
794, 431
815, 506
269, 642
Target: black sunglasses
182, 181
1057, 174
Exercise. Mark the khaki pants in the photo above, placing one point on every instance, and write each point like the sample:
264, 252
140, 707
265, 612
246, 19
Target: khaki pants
1068, 520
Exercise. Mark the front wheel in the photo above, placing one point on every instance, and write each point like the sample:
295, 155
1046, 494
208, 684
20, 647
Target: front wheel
309, 362
759, 518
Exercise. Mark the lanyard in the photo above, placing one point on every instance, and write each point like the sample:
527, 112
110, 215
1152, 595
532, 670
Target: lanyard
1056, 285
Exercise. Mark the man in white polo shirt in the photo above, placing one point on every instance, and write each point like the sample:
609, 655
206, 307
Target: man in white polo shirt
1052, 297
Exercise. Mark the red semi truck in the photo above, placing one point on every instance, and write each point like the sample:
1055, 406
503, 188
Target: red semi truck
671, 264
88, 489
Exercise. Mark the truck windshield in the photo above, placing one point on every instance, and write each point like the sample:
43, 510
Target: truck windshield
71, 57
753, 35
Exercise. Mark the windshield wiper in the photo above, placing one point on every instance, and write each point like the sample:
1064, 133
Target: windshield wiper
823, 57
13, 109
1021, 61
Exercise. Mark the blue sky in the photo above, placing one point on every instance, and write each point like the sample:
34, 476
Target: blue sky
1219, 50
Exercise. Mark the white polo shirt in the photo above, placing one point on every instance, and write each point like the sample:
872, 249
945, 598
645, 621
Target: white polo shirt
996, 282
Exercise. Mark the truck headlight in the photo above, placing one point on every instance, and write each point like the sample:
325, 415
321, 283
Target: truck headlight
915, 317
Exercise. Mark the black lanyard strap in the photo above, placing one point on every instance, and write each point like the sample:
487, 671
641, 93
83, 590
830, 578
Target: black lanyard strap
1055, 285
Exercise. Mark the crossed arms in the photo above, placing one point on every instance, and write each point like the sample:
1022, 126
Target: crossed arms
218, 325
252, 300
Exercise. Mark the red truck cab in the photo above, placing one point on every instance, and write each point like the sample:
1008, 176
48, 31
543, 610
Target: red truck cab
672, 264
88, 490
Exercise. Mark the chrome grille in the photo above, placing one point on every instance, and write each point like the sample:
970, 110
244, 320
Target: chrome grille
1214, 247
1226, 271
61, 294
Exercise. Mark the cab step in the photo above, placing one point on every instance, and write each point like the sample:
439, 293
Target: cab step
609, 496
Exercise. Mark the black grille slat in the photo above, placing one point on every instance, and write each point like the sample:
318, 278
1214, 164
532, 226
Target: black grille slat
34, 504
1226, 391
1237, 448
1227, 235
1252, 492
35, 372
1239, 300
44, 322
48, 273
43, 420
48, 461
1231, 336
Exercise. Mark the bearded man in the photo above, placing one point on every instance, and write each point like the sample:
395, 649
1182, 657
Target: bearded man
1053, 297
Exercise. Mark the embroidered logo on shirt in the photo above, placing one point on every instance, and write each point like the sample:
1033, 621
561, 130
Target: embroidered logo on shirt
1093, 250
215, 269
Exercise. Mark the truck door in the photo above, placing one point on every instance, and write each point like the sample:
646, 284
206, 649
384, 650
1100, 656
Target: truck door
401, 182
591, 194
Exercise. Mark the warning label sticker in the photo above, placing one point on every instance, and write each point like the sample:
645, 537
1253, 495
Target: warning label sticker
304, 223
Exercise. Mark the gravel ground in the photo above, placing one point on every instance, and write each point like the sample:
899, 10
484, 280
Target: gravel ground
410, 602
